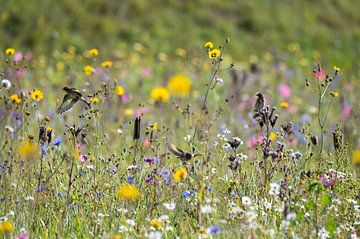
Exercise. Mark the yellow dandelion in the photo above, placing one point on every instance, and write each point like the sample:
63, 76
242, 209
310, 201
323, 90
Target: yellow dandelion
356, 157
93, 52
180, 174
128, 112
128, 192
160, 94
95, 101
179, 85
156, 223
15, 99
27, 150
116, 236
88, 70
106, 64
284, 105
213, 54
119, 90
334, 94
10, 51
6, 227
37, 95
209, 45
154, 126
272, 136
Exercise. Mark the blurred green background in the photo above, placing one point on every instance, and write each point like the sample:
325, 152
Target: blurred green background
330, 27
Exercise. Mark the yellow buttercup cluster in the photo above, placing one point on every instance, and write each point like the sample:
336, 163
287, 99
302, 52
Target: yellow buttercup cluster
128, 192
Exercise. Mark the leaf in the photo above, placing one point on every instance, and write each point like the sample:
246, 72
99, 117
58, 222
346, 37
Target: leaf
310, 205
330, 226
325, 200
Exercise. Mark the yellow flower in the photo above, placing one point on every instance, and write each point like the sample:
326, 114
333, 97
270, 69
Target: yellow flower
76, 154
15, 99
336, 69
128, 192
128, 112
6, 227
209, 45
88, 70
284, 105
106, 64
272, 136
95, 101
180, 174
180, 52
179, 85
154, 126
156, 223
119, 90
37, 95
215, 53
116, 236
93, 52
160, 94
356, 157
27, 150
10, 51
334, 94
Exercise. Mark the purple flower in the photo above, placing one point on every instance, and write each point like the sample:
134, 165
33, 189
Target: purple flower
166, 173
43, 149
23, 235
167, 183
18, 56
150, 159
149, 179
284, 90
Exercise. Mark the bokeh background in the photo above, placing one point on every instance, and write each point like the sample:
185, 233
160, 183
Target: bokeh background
330, 27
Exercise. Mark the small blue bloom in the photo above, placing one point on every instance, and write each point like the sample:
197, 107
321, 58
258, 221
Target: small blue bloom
166, 173
167, 183
130, 179
43, 149
57, 141
187, 194
213, 230
2, 200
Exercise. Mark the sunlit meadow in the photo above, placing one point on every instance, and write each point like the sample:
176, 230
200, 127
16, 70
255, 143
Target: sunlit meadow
190, 143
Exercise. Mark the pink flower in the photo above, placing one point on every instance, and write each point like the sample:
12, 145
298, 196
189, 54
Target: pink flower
18, 56
320, 74
346, 111
125, 98
28, 56
146, 72
140, 111
284, 90
23, 235
252, 141
20, 73
83, 158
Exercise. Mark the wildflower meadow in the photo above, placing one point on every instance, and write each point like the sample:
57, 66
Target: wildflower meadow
118, 121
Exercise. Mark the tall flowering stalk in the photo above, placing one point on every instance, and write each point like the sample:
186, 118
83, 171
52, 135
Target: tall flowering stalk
322, 89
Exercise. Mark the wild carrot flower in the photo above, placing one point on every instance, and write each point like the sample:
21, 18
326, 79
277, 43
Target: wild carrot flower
95, 101
37, 95
5, 83
156, 223
88, 70
119, 90
209, 45
179, 85
128, 192
15, 99
6, 227
356, 157
106, 64
180, 174
160, 94
213, 54
27, 150
10, 51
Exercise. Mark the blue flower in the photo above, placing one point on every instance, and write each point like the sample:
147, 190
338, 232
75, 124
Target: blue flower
130, 179
166, 173
187, 194
43, 149
213, 230
57, 141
